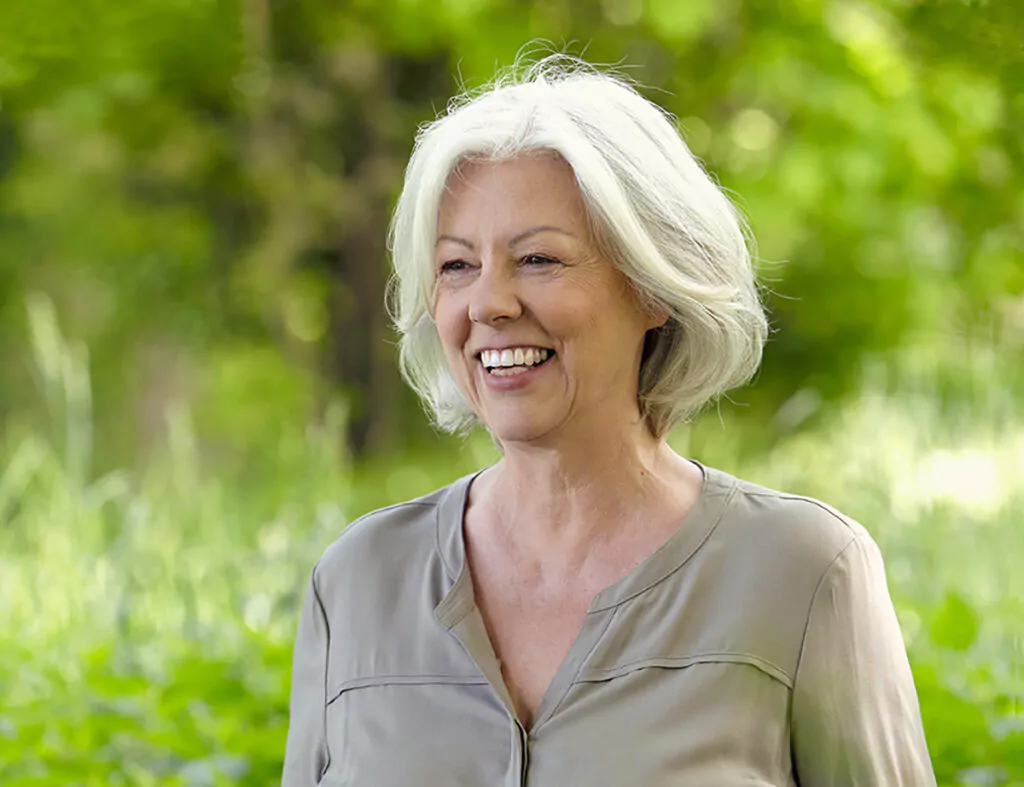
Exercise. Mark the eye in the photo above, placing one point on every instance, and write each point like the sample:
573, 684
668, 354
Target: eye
534, 260
452, 266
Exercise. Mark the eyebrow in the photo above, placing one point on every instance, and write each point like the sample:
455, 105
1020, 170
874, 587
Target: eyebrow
514, 240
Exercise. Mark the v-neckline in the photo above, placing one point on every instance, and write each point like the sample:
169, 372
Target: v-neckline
460, 614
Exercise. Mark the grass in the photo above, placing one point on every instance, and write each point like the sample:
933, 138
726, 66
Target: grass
148, 615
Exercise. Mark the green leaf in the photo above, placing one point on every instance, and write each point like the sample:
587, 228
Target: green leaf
956, 626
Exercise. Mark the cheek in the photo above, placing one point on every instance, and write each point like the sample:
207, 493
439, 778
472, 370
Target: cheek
452, 326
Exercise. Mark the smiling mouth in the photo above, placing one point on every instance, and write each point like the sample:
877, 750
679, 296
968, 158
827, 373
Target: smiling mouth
506, 363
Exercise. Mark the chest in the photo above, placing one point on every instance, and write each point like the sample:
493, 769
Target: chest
532, 625
531, 632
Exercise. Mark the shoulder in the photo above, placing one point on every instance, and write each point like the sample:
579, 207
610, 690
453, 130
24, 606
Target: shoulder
765, 563
399, 522
379, 585
397, 540
793, 531
777, 548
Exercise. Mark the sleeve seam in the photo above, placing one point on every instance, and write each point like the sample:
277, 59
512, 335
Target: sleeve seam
369, 516
843, 519
327, 653
810, 611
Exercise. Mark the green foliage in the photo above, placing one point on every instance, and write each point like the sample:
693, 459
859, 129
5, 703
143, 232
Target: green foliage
200, 191
956, 625
189, 180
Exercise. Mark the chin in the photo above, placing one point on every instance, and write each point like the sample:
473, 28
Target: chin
519, 429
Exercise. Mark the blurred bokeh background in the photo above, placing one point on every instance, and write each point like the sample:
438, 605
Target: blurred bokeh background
197, 378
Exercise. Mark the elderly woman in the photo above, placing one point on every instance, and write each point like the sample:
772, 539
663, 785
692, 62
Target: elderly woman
593, 609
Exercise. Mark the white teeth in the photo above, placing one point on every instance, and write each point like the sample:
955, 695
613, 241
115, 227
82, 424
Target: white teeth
518, 356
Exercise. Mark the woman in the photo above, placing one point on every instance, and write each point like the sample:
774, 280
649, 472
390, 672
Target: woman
593, 609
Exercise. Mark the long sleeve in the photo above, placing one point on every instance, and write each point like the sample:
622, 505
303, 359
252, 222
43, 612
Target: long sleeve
306, 754
856, 720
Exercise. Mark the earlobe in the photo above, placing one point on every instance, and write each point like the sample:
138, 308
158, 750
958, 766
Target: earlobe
655, 314
657, 317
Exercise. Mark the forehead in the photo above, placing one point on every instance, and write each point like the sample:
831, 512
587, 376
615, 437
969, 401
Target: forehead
533, 187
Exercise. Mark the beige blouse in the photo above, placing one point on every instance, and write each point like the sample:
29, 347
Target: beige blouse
757, 646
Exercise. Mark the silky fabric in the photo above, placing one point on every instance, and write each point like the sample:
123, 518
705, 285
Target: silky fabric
758, 646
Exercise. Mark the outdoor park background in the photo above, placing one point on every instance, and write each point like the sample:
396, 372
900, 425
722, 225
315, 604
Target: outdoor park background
197, 379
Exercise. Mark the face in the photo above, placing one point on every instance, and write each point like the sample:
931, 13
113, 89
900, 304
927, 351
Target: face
541, 332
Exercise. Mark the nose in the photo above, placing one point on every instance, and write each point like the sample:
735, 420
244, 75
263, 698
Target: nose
494, 298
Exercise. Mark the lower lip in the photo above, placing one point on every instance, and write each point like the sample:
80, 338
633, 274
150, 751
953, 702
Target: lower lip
513, 382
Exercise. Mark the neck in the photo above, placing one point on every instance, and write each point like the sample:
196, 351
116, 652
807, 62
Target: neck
552, 503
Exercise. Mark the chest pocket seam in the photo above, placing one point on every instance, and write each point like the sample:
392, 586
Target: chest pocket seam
337, 772
594, 675
404, 680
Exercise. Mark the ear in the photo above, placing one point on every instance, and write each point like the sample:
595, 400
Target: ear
656, 316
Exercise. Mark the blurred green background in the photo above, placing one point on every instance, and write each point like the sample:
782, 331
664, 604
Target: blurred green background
198, 385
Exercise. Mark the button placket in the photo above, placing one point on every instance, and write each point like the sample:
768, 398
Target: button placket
520, 760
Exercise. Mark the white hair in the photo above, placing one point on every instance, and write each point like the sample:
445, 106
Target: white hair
658, 216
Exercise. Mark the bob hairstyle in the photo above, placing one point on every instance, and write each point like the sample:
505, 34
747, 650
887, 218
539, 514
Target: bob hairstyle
655, 213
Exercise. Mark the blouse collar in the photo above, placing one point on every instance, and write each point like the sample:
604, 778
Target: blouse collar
717, 490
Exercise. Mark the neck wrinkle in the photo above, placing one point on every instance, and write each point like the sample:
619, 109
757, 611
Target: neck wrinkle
554, 507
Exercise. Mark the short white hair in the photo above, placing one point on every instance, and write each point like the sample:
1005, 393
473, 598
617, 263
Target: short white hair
659, 217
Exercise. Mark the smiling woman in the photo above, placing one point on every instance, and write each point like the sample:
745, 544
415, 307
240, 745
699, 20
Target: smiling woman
593, 609
518, 272
643, 203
